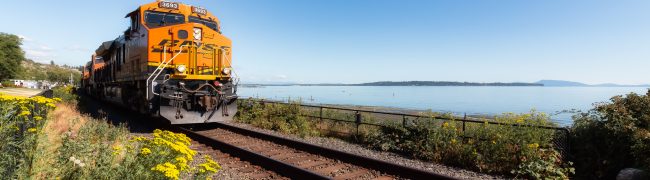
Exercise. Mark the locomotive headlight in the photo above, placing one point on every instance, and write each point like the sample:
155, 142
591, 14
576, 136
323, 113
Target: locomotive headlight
226, 71
197, 33
181, 68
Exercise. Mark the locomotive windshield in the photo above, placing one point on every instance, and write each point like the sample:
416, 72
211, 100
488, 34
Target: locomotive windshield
211, 24
160, 19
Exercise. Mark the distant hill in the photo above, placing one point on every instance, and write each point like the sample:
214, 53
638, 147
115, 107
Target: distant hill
32, 70
561, 83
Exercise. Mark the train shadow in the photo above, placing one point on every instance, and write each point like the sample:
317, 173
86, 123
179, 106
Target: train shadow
117, 115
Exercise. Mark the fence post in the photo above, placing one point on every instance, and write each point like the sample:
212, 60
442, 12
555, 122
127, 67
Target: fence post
357, 121
321, 114
464, 119
269, 116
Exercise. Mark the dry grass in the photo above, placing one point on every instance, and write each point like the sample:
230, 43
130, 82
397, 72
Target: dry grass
65, 118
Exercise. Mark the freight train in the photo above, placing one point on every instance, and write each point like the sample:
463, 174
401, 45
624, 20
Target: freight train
172, 62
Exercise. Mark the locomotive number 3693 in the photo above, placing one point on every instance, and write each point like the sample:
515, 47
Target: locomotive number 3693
168, 5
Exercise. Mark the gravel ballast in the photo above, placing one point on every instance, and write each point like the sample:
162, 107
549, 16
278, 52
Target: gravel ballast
341, 145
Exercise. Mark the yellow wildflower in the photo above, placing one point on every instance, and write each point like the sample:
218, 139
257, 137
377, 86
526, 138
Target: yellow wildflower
520, 120
182, 163
168, 169
38, 118
117, 150
145, 151
24, 113
445, 124
31, 130
533, 146
209, 165
494, 142
453, 141
50, 105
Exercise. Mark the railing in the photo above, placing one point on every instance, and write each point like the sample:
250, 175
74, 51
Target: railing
561, 138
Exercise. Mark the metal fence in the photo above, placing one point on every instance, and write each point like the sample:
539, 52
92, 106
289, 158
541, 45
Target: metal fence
356, 117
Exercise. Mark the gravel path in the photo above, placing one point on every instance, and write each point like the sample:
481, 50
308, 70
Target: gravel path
386, 156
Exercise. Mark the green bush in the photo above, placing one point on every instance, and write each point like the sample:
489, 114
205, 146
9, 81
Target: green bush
612, 136
65, 93
278, 117
522, 150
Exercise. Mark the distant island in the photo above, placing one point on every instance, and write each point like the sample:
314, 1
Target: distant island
546, 83
562, 83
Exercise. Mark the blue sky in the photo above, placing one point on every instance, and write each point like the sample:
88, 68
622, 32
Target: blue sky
351, 41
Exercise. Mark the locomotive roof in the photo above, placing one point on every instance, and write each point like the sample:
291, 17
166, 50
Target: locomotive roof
102, 49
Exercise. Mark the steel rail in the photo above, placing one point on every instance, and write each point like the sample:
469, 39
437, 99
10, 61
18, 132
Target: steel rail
379, 165
280, 167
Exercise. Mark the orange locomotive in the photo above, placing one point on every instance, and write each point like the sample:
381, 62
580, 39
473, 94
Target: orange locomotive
172, 62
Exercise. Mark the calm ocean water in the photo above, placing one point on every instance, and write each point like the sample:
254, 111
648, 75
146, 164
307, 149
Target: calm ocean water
455, 99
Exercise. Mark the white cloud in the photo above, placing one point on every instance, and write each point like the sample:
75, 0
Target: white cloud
45, 48
25, 38
37, 51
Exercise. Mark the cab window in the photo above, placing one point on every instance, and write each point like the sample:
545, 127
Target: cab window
211, 24
159, 19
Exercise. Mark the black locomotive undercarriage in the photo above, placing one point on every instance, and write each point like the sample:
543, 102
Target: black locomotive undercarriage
196, 101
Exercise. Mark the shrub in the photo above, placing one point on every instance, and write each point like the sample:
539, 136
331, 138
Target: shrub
65, 93
612, 136
278, 117
490, 148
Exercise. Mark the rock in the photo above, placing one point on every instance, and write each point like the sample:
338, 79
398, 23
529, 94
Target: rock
632, 174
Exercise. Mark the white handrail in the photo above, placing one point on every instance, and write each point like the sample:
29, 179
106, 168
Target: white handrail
161, 66
232, 70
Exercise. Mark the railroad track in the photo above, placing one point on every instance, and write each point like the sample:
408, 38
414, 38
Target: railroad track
275, 157
245, 168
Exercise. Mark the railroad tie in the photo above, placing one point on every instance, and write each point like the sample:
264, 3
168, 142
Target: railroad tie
351, 175
383, 178
299, 160
330, 169
272, 152
259, 175
221, 156
312, 164
283, 155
